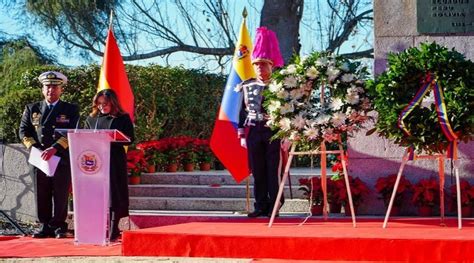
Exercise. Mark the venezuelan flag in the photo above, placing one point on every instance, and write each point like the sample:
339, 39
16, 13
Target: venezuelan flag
113, 75
224, 142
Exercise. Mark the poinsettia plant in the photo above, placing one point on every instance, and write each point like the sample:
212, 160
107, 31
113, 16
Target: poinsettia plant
384, 187
467, 194
174, 150
426, 193
338, 191
136, 162
204, 153
337, 186
169, 150
312, 190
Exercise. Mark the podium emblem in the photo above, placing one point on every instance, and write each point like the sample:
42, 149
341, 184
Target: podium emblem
89, 162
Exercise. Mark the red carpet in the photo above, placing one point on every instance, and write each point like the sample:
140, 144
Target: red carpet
405, 239
27, 247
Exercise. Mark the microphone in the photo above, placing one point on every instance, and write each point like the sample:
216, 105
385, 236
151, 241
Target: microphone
77, 124
96, 123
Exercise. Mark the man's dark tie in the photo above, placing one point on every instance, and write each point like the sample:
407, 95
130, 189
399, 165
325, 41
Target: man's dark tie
48, 109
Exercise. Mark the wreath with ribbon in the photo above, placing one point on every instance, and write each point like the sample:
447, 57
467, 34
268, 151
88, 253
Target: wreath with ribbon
425, 99
317, 98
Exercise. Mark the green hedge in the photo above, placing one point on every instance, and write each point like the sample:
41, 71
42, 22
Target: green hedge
169, 101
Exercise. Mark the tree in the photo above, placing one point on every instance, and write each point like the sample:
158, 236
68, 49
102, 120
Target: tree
346, 19
148, 29
284, 18
16, 57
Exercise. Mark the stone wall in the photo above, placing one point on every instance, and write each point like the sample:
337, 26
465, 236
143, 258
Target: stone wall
370, 157
17, 191
395, 30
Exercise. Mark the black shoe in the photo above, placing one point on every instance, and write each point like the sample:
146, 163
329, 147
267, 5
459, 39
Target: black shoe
45, 232
257, 213
41, 234
276, 215
60, 233
114, 237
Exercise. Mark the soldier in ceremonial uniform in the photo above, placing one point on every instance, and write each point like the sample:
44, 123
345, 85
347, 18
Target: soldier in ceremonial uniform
263, 153
37, 126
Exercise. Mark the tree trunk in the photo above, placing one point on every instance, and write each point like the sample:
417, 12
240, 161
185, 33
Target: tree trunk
284, 18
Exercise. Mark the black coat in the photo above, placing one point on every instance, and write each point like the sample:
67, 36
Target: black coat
37, 129
37, 125
118, 159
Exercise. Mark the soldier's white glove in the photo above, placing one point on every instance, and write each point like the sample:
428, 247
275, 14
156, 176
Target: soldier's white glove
243, 143
285, 145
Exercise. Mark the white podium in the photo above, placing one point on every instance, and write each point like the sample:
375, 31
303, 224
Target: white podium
89, 152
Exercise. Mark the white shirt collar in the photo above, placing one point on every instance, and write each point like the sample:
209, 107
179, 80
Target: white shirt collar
52, 104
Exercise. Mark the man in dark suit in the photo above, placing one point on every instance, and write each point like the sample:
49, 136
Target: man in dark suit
37, 126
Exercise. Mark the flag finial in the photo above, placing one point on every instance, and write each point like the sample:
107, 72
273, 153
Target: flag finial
244, 13
111, 18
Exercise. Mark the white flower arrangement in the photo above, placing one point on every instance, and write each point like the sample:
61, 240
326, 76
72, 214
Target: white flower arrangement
293, 99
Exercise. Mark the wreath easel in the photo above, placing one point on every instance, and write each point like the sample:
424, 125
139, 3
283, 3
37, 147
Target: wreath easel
411, 75
429, 84
323, 152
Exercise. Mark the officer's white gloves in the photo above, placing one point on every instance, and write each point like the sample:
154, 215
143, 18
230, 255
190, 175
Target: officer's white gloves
243, 143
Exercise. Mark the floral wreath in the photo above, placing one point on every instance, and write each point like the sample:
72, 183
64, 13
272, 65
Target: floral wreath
397, 89
293, 99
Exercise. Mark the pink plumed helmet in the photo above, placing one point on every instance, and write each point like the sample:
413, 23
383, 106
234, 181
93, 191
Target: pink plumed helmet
266, 48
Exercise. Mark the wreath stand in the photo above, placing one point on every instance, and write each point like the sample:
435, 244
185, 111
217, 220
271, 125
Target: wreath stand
323, 152
430, 84
440, 158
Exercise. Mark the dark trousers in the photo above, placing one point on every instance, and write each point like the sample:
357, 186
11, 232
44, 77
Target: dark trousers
264, 159
52, 196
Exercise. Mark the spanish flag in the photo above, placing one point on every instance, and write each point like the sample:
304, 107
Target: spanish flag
224, 142
113, 75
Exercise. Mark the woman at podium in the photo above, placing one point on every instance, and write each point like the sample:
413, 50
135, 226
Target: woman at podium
108, 114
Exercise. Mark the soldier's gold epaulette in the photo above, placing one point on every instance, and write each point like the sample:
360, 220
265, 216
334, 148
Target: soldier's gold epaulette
63, 142
28, 142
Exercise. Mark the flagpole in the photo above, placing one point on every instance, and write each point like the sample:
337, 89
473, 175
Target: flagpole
247, 188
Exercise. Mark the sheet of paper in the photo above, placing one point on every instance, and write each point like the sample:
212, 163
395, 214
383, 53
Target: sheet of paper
48, 167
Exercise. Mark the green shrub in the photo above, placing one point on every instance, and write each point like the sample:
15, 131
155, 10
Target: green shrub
168, 101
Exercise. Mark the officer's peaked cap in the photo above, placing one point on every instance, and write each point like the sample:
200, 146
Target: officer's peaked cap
52, 78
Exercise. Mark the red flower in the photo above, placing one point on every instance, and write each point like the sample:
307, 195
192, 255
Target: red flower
136, 162
338, 190
170, 150
337, 166
384, 186
426, 192
467, 194
312, 189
